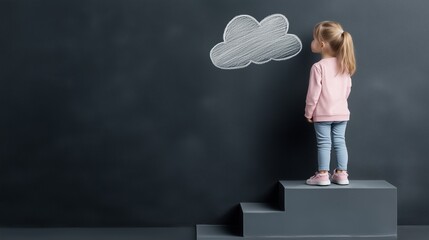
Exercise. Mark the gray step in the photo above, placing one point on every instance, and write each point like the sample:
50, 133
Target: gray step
221, 232
363, 208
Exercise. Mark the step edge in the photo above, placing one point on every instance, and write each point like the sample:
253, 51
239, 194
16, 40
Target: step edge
303, 186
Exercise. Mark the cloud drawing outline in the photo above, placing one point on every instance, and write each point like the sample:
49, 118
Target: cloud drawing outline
246, 41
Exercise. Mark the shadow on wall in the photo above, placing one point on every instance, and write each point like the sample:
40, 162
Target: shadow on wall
290, 143
286, 142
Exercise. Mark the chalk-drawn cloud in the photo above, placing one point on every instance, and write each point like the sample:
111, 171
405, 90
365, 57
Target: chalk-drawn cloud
246, 41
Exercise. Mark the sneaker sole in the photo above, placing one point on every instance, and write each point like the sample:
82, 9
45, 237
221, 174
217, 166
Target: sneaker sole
345, 182
326, 183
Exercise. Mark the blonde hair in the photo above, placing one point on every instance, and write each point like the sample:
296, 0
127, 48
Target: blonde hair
341, 43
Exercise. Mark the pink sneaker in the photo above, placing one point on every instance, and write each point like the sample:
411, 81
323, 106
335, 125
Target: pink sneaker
320, 179
340, 178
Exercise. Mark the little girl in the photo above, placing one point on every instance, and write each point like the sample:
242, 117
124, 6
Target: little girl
326, 102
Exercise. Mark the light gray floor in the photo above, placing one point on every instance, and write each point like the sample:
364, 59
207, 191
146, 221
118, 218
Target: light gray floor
177, 233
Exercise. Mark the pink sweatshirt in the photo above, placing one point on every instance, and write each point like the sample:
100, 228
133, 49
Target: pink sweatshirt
327, 92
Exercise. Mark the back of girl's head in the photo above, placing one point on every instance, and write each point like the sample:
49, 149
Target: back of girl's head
341, 43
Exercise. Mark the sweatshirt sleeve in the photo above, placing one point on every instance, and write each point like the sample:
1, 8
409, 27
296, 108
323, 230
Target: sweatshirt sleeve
314, 90
349, 88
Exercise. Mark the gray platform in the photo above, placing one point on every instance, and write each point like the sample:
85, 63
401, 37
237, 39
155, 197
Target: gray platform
162, 233
362, 210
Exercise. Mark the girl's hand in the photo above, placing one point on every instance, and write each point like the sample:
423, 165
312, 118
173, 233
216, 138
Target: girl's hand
310, 120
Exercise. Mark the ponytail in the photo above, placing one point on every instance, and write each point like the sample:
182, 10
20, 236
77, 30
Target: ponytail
341, 43
346, 55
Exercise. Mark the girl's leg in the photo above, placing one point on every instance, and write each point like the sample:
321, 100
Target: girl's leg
339, 142
323, 136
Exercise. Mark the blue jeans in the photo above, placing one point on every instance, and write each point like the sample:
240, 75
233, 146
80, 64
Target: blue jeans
325, 131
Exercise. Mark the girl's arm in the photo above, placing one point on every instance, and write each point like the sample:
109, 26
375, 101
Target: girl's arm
313, 92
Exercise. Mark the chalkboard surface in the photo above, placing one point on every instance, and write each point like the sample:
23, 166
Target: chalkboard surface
114, 115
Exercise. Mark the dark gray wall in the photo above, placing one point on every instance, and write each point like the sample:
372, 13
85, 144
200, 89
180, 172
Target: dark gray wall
112, 113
